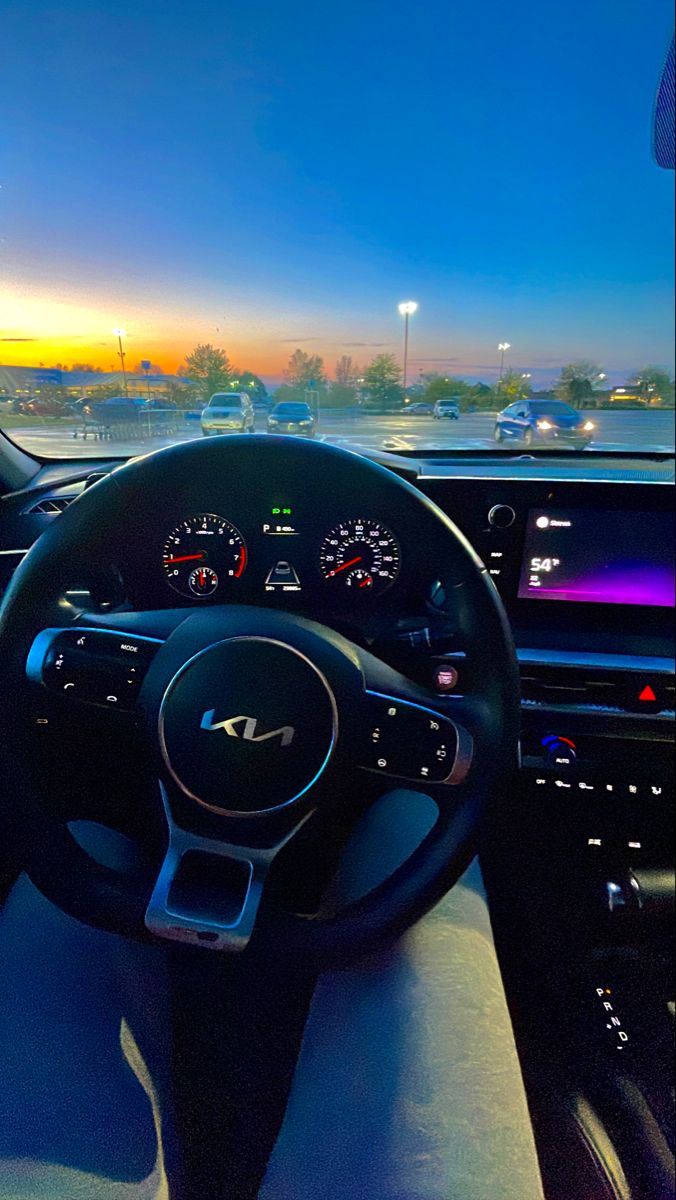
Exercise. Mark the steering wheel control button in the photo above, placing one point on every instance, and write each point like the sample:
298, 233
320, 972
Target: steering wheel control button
406, 740
247, 726
98, 666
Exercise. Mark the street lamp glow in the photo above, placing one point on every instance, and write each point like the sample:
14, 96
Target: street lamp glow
502, 347
118, 333
406, 310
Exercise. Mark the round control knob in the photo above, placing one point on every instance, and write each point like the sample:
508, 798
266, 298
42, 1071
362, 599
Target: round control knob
562, 756
501, 516
560, 752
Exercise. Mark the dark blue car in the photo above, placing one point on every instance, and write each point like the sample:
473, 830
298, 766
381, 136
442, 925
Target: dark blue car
544, 423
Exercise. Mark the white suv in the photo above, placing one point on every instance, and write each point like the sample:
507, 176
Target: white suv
228, 410
447, 409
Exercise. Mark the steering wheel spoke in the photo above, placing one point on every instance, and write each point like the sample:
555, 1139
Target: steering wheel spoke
208, 891
103, 667
400, 732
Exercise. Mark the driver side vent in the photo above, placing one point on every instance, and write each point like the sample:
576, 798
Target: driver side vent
50, 506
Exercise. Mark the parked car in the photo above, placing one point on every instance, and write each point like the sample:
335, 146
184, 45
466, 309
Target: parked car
448, 409
544, 423
419, 409
36, 406
136, 402
228, 410
291, 416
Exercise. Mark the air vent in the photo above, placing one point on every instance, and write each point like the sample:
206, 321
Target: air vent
49, 506
561, 685
603, 690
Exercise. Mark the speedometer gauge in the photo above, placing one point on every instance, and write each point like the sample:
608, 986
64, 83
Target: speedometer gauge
360, 555
201, 553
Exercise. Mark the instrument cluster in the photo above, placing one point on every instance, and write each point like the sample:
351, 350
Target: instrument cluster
207, 557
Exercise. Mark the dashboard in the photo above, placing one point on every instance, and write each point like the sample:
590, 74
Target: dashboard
591, 558
542, 552
583, 564
585, 568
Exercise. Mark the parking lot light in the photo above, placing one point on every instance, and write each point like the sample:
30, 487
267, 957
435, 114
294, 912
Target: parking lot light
406, 310
503, 347
119, 334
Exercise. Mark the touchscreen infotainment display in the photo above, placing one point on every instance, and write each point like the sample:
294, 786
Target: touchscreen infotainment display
595, 557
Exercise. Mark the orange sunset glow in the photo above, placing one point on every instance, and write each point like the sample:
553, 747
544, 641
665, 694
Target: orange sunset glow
44, 329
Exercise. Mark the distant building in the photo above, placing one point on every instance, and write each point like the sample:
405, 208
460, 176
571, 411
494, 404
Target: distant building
634, 394
29, 381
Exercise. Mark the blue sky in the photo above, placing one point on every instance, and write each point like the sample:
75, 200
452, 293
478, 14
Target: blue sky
263, 176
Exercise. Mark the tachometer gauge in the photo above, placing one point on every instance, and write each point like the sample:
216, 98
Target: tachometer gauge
362, 556
201, 553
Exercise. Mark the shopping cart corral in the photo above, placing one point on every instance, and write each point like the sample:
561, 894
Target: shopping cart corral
128, 419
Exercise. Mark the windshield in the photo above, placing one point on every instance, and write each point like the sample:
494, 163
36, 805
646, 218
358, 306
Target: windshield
375, 212
291, 410
550, 408
225, 401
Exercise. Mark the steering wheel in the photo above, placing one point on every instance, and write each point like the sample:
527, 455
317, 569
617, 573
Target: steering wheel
260, 735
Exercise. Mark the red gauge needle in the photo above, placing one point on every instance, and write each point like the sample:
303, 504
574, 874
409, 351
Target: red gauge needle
366, 583
184, 558
344, 566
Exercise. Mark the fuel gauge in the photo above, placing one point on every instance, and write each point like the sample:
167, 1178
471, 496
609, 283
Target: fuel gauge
359, 579
203, 581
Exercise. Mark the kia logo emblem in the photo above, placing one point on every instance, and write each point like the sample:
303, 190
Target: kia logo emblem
245, 728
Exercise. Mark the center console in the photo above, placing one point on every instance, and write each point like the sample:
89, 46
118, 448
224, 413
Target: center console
586, 572
582, 865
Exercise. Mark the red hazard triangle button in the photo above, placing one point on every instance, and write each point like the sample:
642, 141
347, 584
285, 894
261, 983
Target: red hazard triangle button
647, 696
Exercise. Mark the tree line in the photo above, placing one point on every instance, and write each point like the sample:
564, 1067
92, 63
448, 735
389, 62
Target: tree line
379, 385
376, 387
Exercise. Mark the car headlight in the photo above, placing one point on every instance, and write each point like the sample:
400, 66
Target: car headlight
273, 421
305, 422
588, 426
544, 425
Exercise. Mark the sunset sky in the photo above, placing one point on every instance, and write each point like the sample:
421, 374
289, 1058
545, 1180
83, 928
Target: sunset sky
265, 176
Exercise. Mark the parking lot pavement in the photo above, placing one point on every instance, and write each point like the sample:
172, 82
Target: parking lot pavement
614, 431
474, 431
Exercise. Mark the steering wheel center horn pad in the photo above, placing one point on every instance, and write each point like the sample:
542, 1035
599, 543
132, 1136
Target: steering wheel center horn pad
247, 726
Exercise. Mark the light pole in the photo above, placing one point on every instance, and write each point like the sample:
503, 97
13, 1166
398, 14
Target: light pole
145, 367
502, 347
119, 334
526, 375
406, 309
